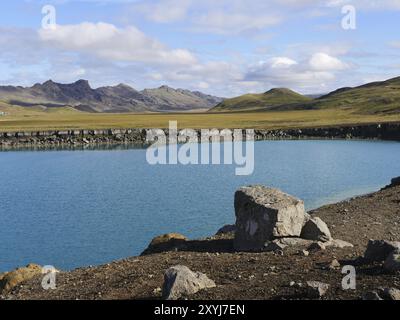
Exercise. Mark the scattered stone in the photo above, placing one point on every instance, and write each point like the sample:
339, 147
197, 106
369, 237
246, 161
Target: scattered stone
316, 289
392, 263
157, 291
166, 242
10, 280
371, 295
180, 281
263, 213
379, 250
340, 244
390, 293
305, 253
334, 264
229, 228
316, 229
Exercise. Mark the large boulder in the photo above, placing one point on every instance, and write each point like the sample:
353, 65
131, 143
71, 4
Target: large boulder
263, 214
10, 280
166, 242
316, 229
180, 281
379, 250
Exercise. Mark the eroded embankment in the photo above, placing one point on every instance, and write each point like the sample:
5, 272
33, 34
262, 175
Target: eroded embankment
76, 138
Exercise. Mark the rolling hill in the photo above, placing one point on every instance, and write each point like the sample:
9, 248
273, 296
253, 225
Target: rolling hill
269, 99
381, 97
115, 99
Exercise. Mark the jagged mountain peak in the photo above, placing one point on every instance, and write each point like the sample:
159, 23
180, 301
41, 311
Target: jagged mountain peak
119, 98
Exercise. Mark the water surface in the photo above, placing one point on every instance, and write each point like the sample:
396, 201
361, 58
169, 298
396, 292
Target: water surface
78, 208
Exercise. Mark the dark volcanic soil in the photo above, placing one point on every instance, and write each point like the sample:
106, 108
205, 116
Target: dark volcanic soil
247, 275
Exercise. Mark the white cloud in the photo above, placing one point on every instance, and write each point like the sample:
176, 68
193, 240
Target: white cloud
109, 42
282, 62
323, 62
309, 75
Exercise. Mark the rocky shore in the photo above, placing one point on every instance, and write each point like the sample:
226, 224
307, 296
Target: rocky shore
275, 250
79, 138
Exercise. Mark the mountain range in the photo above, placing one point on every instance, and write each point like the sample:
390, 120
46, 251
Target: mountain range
116, 99
381, 97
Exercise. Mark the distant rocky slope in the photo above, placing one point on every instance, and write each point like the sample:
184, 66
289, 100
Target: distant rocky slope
269, 99
120, 98
372, 98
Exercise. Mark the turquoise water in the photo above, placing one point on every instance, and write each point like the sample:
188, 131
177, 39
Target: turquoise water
78, 208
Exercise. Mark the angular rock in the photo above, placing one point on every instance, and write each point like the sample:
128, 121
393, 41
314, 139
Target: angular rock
180, 281
229, 228
390, 294
316, 229
10, 280
340, 244
379, 250
392, 262
371, 295
264, 213
316, 289
166, 242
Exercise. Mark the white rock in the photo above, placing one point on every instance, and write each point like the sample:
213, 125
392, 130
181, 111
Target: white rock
180, 281
263, 214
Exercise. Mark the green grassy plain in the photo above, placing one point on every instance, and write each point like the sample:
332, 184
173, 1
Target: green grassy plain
28, 119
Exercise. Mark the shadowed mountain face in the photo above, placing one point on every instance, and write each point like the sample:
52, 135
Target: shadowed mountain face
120, 98
373, 98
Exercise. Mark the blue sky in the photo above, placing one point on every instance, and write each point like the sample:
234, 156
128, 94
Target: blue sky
219, 47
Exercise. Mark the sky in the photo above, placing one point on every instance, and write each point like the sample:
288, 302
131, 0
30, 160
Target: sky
220, 47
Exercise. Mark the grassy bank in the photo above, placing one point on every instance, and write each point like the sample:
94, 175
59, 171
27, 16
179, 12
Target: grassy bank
28, 119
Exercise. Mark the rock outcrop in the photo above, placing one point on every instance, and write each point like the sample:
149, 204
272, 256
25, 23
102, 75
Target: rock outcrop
180, 281
10, 280
165, 242
263, 214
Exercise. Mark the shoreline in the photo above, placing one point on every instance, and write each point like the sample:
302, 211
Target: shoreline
245, 275
76, 138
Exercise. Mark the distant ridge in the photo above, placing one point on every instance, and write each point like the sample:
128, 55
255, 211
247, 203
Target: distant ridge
380, 97
269, 99
120, 98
